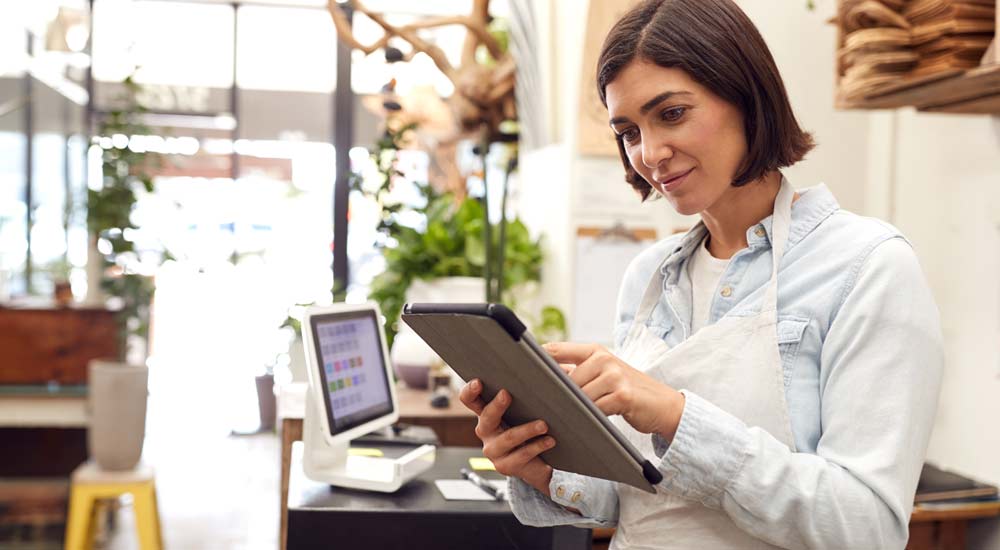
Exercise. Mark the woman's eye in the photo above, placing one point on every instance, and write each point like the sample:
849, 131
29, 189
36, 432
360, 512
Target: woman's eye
674, 114
630, 135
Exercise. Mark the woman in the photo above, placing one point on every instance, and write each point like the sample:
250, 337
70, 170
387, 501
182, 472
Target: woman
780, 362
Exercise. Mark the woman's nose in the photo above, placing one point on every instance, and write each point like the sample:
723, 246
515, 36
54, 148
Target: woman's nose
655, 151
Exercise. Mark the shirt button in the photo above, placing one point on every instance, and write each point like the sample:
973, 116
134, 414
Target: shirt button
760, 232
727, 292
560, 491
576, 497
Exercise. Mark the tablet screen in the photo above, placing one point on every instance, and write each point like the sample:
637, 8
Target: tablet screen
353, 371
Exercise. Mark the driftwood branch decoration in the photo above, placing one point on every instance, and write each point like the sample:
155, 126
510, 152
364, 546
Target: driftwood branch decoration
484, 95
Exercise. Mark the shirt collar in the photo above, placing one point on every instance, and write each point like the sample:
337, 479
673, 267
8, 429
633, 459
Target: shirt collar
815, 204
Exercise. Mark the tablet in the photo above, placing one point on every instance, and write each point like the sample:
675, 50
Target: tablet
489, 342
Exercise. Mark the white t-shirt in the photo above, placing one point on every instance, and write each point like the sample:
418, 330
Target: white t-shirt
705, 272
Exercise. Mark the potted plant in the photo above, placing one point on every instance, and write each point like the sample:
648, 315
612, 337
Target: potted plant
446, 259
117, 387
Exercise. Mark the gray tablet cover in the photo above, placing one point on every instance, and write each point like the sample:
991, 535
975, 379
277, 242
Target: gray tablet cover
477, 346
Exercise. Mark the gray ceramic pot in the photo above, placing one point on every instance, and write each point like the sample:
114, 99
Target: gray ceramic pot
117, 400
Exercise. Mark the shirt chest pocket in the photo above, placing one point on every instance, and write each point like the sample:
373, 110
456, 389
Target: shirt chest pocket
790, 333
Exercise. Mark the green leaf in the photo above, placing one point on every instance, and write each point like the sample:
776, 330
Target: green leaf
437, 239
475, 249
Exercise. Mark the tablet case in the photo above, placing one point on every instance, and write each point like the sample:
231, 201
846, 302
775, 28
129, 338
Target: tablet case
488, 342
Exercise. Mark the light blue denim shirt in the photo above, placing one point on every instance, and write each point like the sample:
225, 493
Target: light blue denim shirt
861, 350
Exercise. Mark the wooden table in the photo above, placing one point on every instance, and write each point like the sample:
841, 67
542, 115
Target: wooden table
50, 344
936, 529
44, 352
453, 425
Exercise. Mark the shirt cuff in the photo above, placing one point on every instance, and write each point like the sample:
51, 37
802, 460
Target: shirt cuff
706, 453
531, 507
575, 491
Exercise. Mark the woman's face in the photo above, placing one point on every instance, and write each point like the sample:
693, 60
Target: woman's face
680, 137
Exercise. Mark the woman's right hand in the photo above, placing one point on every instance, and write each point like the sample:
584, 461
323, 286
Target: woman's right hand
514, 451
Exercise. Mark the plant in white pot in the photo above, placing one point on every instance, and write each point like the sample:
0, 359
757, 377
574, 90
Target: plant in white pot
443, 259
117, 386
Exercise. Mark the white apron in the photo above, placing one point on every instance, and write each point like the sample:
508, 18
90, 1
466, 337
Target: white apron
735, 365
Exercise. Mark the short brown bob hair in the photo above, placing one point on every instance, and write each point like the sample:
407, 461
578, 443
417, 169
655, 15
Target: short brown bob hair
718, 46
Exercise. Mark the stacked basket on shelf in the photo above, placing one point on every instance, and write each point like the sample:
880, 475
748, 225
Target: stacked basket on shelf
949, 34
876, 49
888, 43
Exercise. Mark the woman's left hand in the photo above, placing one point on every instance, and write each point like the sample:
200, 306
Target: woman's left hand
647, 404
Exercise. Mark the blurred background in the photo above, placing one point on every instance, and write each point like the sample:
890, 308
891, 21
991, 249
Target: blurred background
180, 178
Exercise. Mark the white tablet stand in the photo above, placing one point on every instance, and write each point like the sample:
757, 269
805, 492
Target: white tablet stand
327, 457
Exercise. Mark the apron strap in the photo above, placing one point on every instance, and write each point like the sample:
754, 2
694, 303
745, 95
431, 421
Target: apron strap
650, 297
780, 224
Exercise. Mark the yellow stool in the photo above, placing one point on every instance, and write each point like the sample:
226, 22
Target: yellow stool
90, 483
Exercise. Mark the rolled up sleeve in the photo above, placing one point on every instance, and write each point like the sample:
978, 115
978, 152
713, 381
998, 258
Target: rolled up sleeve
596, 499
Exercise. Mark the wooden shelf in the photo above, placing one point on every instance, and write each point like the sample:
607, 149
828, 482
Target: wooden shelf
975, 91
972, 91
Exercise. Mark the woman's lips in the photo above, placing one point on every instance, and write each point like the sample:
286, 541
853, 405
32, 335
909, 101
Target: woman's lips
676, 182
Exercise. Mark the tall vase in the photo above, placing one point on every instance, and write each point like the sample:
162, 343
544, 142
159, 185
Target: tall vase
117, 401
412, 359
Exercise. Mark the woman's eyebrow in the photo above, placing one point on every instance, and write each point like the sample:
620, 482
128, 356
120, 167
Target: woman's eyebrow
649, 105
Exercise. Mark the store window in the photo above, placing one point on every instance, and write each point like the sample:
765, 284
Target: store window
172, 43
286, 49
13, 210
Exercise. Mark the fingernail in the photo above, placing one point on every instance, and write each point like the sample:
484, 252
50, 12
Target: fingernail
475, 385
549, 442
503, 397
539, 426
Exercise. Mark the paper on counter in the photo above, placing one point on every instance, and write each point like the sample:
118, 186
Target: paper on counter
463, 489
